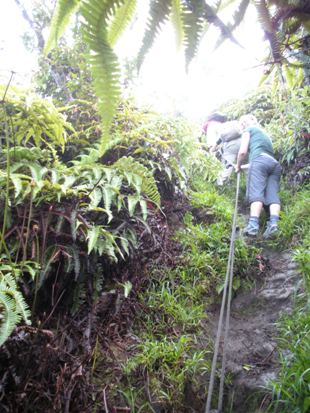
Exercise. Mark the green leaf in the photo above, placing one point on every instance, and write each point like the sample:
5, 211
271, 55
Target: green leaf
103, 61
9, 316
177, 18
124, 244
143, 206
107, 197
92, 236
132, 202
17, 182
127, 288
12, 305
306, 405
159, 14
120, 20
95, 198
37, 172
32, 268
69, 181
60, 20
193, 28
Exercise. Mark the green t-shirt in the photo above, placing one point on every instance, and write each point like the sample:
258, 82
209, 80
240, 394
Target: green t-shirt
259, 143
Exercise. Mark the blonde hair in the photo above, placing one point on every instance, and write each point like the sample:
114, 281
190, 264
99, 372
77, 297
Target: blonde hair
248, 120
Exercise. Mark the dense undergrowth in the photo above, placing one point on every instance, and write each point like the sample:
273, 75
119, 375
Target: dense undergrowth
116, 259
82, 232
291, 390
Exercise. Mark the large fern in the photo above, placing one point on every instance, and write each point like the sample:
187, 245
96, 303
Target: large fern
177, 18
141, 177
61, 16
120, 20
9, 317
265, 19
13, 307
103, 61
193, 27
159, 14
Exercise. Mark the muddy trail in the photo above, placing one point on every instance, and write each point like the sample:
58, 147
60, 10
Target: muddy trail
252, 356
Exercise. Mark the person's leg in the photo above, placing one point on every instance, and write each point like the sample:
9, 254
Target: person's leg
253, 224
256, 209
273, 200
274, 209
229, 160
225, 174
257, 180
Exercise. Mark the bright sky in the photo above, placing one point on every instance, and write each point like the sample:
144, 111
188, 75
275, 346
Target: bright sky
213, 76
13, 55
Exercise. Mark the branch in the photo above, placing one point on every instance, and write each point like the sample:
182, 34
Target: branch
31, 23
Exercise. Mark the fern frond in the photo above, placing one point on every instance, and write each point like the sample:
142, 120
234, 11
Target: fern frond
132, 201
159, 14
225, 3
79, 297
194, 27
61, 16
143, 207
20, 306
9, 317
93, 234
13, 307
237, 19
139, 176
103, 61
107, 195
95, 198
73, 261
266, 23
226, 32
239, 14
177, 18
120, 21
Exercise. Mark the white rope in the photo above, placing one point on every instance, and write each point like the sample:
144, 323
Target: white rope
227, 285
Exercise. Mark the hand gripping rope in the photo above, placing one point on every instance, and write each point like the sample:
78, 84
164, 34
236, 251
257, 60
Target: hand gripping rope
227, 285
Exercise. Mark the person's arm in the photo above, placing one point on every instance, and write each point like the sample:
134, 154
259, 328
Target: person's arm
244, 147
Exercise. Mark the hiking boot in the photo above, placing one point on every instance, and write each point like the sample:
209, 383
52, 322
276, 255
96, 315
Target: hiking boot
252, 228
271, 230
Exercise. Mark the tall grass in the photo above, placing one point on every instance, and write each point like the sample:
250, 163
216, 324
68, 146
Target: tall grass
292, 389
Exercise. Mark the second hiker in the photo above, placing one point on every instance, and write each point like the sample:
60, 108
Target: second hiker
225, 136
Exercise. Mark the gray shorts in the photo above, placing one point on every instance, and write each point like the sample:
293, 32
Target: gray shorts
263, 180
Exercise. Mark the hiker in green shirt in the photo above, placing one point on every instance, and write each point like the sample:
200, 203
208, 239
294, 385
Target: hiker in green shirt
263, 177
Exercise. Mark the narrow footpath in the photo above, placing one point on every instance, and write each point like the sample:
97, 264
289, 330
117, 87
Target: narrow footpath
252, 357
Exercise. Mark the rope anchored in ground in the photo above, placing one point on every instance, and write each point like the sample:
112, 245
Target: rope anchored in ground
226, 304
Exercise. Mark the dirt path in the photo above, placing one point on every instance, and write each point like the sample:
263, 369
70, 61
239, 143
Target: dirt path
252, 356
